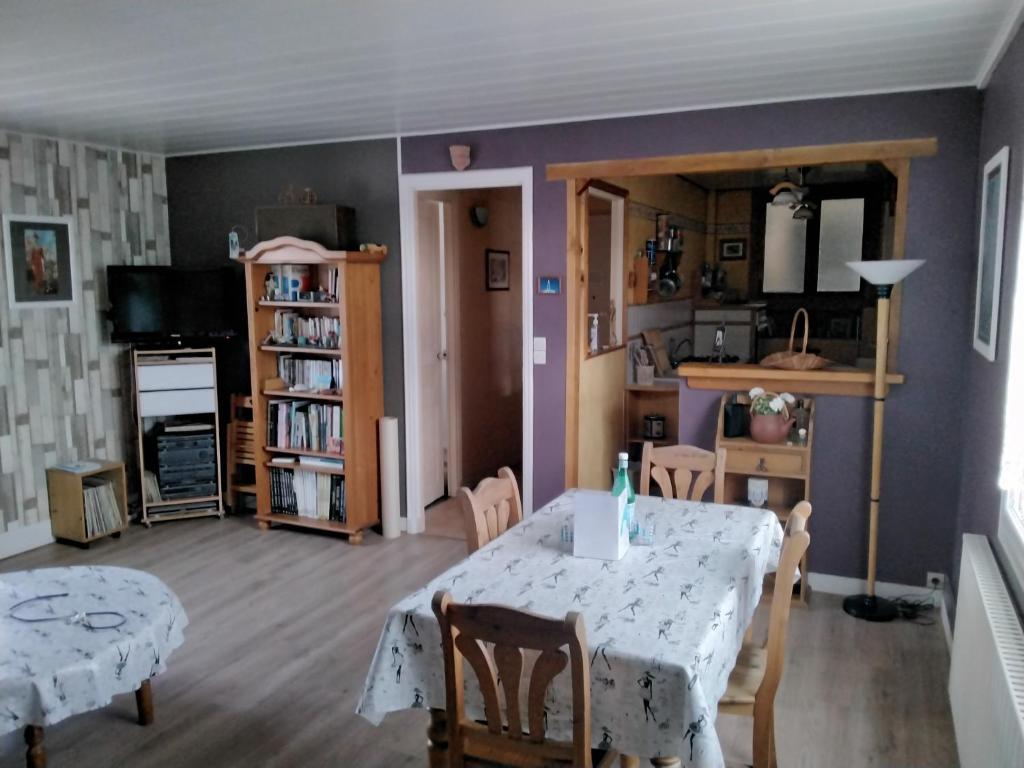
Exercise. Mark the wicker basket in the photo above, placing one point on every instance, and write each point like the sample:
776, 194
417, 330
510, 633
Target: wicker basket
793, 360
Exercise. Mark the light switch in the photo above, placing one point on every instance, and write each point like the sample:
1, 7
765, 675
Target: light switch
540, 350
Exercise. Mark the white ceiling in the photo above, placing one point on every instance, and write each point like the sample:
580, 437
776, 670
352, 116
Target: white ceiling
179, 76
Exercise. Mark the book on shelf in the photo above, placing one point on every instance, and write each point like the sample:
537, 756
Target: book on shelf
304, 425
292, 328
317, 461
314, 375
307, 494
102, 512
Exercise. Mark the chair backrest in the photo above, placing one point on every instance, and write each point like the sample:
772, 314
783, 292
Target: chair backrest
241, 433
682, 472
490, 509
794, 545
493, 638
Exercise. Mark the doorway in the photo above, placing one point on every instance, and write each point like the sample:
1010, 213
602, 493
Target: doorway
466, 261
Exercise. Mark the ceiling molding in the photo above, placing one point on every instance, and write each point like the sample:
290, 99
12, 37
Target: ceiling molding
1014, 17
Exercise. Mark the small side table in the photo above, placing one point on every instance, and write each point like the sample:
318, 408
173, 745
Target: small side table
67, 501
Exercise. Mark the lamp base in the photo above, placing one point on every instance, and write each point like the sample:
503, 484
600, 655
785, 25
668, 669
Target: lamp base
870, 608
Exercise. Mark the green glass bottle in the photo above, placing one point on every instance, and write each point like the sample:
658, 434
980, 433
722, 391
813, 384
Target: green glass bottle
622, 483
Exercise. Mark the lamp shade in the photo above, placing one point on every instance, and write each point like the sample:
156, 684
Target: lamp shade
785, 197
885, 272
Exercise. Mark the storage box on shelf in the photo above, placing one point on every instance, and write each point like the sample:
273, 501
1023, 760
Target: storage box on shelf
325, 395
178, 435
77, 518
787, 468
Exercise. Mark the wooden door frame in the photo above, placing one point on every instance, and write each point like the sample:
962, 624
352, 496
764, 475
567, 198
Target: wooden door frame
409, 187
895, 155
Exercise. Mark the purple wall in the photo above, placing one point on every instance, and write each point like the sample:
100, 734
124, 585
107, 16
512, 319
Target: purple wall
921, 482
985, 383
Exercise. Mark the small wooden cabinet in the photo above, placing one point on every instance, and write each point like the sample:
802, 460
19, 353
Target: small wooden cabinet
786, 466
67, 501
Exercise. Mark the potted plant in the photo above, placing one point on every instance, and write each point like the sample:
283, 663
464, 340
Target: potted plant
769, 415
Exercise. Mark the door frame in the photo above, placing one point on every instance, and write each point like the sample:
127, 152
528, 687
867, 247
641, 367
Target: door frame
409, 187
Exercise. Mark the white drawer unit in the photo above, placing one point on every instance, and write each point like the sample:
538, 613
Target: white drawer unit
198, 375
177, 402
176, 416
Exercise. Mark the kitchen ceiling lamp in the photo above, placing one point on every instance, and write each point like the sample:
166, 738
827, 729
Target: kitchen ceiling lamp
787, 193
803, 212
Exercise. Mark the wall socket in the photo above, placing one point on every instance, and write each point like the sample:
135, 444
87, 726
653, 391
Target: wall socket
937, 580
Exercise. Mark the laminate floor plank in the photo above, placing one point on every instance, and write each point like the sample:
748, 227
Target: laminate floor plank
283, 625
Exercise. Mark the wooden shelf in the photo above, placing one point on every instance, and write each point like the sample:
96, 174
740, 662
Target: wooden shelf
651, 440
297, 304
304, 452
741, 377
359, 352
183, 500
307, 468
307, 522
654, 389
306, 350
326, 397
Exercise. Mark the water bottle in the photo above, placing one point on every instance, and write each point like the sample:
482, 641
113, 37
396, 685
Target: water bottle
622, 484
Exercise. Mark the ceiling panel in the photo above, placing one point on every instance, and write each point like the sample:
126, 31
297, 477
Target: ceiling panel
209, 74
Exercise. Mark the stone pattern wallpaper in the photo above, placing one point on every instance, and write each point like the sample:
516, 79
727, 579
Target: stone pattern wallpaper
65, 390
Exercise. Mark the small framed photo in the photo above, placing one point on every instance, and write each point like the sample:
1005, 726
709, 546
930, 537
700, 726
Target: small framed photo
497, 270
40, 260
990, 253
549, 286
734, 249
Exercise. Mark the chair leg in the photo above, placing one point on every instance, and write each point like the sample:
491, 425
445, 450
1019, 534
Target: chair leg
666, 762
35, 755
764, 736
437, 739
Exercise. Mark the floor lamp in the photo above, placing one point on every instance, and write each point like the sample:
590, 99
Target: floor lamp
883, 275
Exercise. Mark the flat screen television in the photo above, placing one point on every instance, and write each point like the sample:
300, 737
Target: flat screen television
158, 303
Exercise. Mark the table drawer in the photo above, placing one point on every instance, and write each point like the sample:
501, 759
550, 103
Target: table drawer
176, 376
177, 402
767, 462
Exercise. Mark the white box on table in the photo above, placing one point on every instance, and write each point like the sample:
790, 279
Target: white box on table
600, 530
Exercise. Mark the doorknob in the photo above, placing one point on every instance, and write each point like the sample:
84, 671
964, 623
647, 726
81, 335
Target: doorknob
442, 355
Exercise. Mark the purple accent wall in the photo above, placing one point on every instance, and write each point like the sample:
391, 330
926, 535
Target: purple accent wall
985, 383
921, 479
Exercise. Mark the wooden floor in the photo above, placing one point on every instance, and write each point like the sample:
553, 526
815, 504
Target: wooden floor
283, 627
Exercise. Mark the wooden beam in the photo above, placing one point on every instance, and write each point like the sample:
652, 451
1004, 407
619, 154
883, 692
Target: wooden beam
839, 380
901, 169
604, 186
575, 296
822, 154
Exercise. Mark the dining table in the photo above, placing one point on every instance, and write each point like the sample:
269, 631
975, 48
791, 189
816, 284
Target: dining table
664, 624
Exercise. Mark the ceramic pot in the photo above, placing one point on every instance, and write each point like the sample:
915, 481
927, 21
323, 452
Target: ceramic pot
770, 429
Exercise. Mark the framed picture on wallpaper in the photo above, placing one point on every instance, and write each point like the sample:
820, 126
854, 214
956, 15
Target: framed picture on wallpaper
497, 270
39, 255
990, 253
734, 249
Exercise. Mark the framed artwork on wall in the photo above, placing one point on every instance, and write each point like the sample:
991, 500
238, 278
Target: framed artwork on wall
497, 263
39, 252
734, 249
990, 253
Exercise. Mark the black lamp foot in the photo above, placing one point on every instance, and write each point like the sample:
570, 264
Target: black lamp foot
870, 608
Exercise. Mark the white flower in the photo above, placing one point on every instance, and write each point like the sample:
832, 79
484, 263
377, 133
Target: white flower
757, 392
777, 404
788, 397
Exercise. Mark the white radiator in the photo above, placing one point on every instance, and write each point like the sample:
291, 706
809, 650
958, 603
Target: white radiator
986, 677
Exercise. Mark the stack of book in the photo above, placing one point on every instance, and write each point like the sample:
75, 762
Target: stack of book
305, 493
102, 513
292, 328
303, 425
314, 375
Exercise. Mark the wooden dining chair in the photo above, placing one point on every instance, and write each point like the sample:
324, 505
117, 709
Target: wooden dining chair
241, 450
493, 638
692, 469
490, 509
755, 678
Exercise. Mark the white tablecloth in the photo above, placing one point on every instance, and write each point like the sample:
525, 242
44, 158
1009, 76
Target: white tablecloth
54, 669
664, 624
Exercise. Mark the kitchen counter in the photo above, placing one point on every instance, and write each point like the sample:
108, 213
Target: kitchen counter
740, 377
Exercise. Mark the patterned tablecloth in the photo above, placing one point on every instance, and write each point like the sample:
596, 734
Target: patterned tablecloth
664, 624
50, 670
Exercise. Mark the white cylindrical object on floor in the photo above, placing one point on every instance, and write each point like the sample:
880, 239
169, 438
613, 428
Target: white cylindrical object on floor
390, 497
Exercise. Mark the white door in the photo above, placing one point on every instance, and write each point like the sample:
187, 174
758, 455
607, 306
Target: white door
433, 353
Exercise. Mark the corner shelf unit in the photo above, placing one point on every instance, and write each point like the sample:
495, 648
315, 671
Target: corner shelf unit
786, 466
361, 396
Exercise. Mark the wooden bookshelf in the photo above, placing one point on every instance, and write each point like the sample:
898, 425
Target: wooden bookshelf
362, 390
